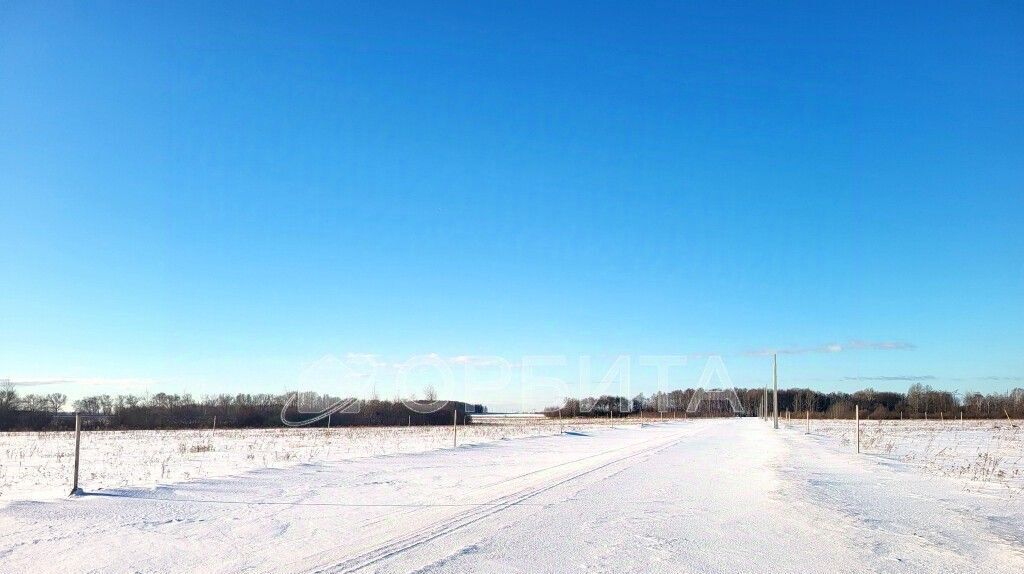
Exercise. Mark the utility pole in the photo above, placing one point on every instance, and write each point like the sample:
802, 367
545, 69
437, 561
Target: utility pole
775, 384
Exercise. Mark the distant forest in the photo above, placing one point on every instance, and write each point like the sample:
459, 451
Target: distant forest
919, 402
173, 411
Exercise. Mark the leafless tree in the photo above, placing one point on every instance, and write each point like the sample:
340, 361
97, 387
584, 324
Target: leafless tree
8, 395
429, 394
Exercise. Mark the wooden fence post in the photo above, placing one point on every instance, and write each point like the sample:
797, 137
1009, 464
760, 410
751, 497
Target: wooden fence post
856, 409
78, 444
455, 428
808, 421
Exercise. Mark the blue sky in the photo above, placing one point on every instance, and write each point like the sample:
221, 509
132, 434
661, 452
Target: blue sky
209, 198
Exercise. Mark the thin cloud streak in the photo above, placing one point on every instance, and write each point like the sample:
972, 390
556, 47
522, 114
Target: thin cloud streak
837, 348
920, 378
38, 383
894, 378
84, 382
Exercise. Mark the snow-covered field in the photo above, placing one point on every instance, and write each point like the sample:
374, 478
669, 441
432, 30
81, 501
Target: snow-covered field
981, 455
728, 495
40, 465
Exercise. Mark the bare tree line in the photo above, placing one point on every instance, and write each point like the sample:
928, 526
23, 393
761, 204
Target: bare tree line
920, 401
247, 410
242, 410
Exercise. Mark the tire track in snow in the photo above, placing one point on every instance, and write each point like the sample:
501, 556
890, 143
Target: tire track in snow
449, 525
418, 508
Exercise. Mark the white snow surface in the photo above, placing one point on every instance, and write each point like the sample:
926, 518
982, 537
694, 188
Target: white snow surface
727, 495
38, 465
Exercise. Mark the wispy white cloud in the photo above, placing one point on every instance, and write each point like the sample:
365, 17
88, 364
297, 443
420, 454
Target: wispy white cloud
920, 378
365, 359
482, 361
856, 345
879, 346
37, 383
124, 382
893, 378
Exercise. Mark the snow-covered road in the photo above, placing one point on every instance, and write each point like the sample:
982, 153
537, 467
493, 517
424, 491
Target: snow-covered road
693, 496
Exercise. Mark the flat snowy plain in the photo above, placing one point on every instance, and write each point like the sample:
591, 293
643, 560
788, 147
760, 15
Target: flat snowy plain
726, 495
